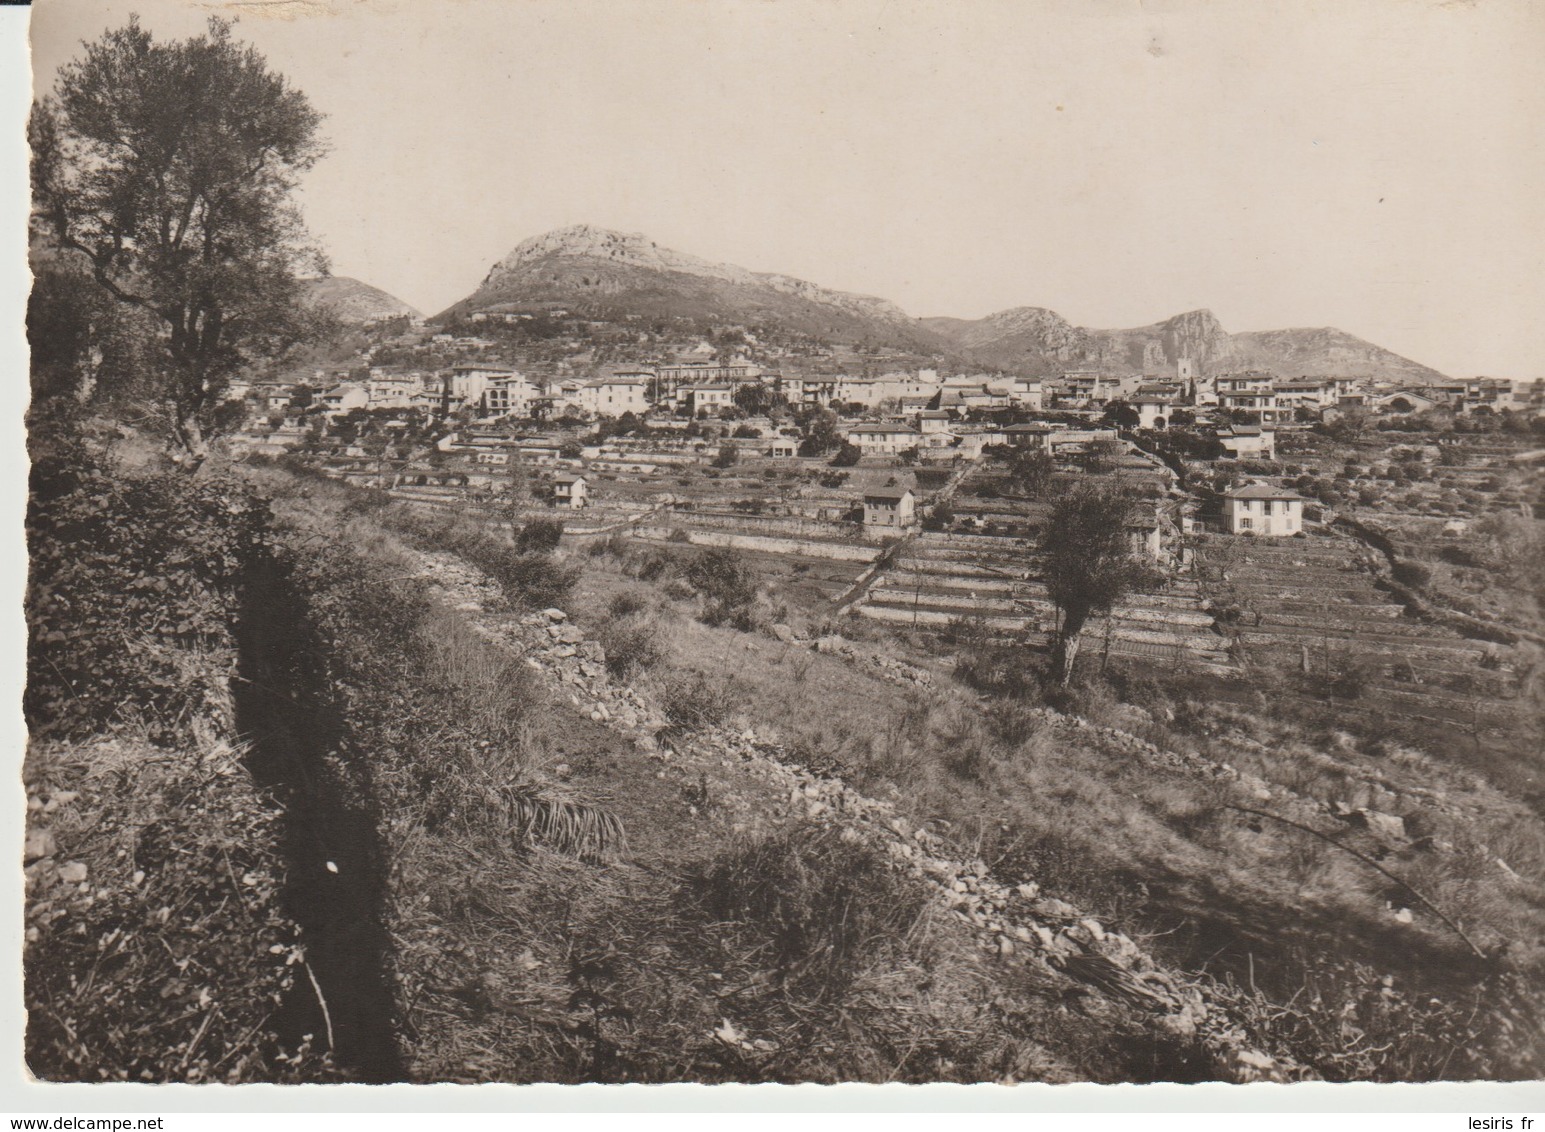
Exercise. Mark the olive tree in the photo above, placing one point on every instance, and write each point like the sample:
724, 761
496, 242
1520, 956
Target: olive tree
167, 169
1088, 564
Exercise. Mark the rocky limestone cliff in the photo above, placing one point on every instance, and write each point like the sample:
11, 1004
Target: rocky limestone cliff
610, 275
605, 250
1039, 341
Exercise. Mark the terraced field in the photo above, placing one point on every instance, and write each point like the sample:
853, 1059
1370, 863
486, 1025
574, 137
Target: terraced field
1312, 607
937, 578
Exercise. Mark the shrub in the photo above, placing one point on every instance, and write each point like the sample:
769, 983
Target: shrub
696, 700
846, 456
1412, 574
939, 518
817, 909
727, 585
529, 580
626, 604
134, 583
612, 546
999, 670
653, 564
186, 830
632, 646
1013, 723
539, 536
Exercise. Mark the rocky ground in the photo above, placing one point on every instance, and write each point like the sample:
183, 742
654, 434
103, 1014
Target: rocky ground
754, 783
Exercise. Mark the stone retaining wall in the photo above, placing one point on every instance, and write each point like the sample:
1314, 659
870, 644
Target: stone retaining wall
844, 552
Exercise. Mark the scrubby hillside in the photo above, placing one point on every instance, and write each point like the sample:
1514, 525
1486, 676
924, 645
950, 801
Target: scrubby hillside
159, 944
539, 810
353, 302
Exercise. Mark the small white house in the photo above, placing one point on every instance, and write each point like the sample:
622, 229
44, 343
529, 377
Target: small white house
889, 507
707, 398
883, 439
1258, 509
1243, 442
570, 490
1154, 405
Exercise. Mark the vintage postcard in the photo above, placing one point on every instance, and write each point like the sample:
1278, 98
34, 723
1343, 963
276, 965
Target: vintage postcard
811, 542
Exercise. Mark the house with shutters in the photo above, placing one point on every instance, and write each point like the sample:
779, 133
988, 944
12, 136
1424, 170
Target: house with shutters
883, 439
615, 395
1259, 509
1248, 442
889, 507
1250, 392
1153, 403
570, 490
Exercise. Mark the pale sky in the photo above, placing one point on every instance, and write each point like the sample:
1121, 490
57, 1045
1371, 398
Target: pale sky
1375, 165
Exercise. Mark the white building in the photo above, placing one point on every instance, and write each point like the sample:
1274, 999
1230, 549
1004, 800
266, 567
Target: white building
934, 427
570, 490
341, 399
1258, 509
1251, 393
466, 383
883, 439
1246, 442
613, 396
1154, 404
889, 507
707, 398
507, 397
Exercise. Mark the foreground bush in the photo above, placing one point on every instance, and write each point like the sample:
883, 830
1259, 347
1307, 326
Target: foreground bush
530, 579
135, 582
728, 587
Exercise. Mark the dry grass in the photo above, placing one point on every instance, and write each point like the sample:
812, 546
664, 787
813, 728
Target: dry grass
157, 947
1155, 846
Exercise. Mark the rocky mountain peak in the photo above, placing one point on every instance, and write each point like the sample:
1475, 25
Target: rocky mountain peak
629, 249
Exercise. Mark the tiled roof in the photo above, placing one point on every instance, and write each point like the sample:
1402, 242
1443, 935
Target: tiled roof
1263, 491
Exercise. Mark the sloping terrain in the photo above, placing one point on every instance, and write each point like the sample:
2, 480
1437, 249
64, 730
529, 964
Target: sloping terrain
547, 815
620, 277
1034, 340
606, 275
355, 302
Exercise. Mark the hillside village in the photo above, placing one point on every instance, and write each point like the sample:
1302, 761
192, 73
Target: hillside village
484, 404
566, 568
651, 670
910, 490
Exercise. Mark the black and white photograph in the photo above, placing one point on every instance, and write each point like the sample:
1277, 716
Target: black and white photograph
786, 542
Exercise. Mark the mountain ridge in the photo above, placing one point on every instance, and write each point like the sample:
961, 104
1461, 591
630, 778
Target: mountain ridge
355, 301
618, 276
